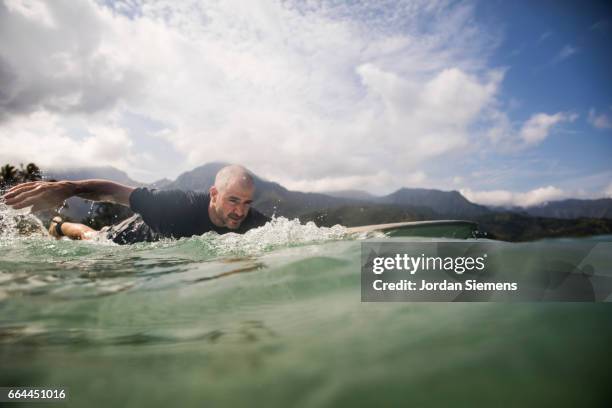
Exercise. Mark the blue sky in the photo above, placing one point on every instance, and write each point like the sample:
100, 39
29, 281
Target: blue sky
508, 102
559, 58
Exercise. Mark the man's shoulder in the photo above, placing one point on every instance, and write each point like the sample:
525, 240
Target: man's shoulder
146, 192
167, 206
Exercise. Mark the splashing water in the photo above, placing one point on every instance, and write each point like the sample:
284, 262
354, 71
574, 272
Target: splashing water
280, 232
17, 224
8, 224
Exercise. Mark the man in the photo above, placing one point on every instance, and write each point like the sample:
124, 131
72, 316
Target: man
160, 214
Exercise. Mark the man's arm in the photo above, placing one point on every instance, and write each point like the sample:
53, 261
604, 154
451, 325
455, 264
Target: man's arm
44, 195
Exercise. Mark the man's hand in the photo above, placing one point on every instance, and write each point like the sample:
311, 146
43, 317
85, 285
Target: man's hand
41, 195
44, 195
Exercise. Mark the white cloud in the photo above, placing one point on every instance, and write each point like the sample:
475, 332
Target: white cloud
61, 57
545, 35
370, 182
538, 127
564, 53
506, 136
602, 26
31, 9
608, 191
299, 92
313, 95
458, 180
509, 199
601, 121
46, 137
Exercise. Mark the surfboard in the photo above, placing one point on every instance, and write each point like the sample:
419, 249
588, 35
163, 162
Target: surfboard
436, 229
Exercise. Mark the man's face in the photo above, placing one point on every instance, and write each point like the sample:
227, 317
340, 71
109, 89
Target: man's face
231, 205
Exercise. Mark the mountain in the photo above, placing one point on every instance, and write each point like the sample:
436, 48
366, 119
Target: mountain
160, 184
198, 179
83, 173
573, 208
270, 198
448, 203
354, 195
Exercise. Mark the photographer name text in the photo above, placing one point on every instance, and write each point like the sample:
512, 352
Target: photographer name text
445, 285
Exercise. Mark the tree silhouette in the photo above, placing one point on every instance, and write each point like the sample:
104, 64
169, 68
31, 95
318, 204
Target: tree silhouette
8, 174
30, 173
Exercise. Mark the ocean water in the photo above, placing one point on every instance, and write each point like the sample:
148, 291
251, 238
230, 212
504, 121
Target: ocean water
274, 318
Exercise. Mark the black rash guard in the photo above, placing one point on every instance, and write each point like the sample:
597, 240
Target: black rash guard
172, 214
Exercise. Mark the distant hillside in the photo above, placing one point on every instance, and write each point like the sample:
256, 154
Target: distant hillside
520, 227
573, 208
353, 215
450, 203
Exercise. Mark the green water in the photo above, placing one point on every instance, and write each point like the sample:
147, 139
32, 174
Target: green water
274, 319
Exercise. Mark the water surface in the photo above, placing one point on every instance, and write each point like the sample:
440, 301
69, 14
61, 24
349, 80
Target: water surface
274, 318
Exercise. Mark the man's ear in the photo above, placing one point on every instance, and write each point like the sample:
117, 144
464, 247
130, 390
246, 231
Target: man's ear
213, 193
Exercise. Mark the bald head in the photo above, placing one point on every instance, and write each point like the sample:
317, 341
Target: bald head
234, 175
231, 196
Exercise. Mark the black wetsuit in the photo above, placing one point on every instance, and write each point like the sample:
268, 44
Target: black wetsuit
172, 214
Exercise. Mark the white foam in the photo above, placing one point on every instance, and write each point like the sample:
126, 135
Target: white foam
280, 232
10, 219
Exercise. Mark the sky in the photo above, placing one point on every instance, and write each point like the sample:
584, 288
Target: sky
509, 103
